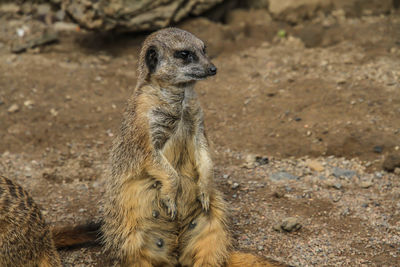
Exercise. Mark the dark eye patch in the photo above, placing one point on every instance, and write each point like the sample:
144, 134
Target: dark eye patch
187, 56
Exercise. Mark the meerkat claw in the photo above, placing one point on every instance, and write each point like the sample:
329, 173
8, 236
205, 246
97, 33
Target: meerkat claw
171, 207
205, 201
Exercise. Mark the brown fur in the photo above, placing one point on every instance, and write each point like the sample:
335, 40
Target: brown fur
25, 239
76, 236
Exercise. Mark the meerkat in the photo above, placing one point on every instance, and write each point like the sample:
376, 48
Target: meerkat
161, 206
25, 239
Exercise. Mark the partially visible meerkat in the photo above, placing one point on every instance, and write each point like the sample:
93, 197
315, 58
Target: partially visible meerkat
161, 206
25, 239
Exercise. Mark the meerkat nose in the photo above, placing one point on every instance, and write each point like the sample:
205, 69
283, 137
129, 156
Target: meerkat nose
212, 70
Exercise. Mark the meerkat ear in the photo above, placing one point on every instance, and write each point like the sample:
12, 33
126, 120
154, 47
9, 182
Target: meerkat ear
151, 58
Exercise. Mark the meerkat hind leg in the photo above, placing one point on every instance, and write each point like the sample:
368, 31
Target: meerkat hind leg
206, 240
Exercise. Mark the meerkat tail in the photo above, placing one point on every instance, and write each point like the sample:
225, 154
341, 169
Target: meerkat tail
239, 259
77, 235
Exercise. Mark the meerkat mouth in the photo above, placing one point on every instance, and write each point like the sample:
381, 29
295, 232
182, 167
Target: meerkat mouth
197, 76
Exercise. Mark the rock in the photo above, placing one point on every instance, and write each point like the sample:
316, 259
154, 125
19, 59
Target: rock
235, 185
378, 149
294, 11
278, 176
13, 108
44, 39
132, 15
343, 173
279, 194
369, 7
262, 160
43, 9
366, 184
60, 15
241, 17
29, 103
337, 186
253, 161
391, 162
53, 112
315, 165
289, 224
397, 171
61, 26
9, 8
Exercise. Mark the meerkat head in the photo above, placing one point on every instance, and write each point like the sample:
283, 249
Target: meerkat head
173, 56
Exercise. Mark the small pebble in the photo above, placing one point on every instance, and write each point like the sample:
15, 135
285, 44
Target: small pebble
279, 176
289, 224
29, 103
297, 119
337, 186
378, 149
339, 172
13, 108
53, 112
366, 184
235, 185
315, 165
391, 162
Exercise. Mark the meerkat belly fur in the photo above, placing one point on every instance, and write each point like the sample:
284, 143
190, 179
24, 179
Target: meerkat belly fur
161, 207
25, 239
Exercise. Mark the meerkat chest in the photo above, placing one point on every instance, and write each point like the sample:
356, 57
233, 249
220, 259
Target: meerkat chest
179, 142
173, 132
175, 123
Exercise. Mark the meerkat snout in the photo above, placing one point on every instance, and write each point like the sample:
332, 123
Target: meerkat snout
174, 56
212, 70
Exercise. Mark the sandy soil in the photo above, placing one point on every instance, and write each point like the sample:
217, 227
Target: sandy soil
322, 103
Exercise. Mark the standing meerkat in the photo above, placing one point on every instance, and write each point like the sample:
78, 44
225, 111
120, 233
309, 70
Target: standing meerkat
25, 239
161, 207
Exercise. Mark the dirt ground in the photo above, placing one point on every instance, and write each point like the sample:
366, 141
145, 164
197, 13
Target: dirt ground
320, 99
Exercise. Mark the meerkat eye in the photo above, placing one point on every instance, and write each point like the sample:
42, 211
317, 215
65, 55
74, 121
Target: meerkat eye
184, 54
187, 56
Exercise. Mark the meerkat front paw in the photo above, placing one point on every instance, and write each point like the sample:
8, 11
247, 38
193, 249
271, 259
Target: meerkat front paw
168, 200
204, 198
